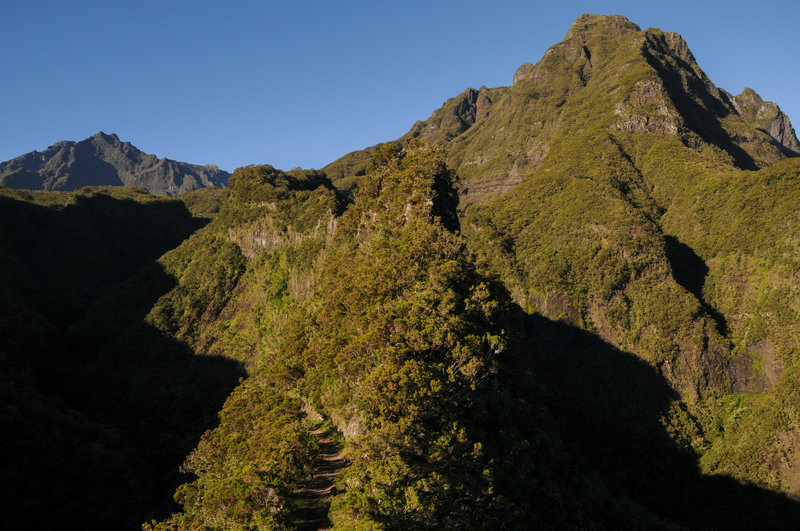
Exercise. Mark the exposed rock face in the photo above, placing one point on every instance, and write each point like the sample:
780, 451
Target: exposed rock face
522, 72
768, 117
105, 160
646, 110
679, 46
456, 116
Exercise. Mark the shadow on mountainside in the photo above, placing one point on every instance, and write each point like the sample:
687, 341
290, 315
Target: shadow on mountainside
690, 271
701, 110
99, 413
66, 257
598, 455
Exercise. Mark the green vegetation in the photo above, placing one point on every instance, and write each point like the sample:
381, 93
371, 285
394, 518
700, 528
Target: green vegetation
401, 352
98, 411
615, 188
249, 466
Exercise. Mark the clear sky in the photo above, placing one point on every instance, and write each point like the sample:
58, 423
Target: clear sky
302, 83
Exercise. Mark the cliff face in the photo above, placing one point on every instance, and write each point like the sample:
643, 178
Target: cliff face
104, 160
768, 117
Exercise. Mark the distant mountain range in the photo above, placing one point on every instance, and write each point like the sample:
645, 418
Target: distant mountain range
104, 160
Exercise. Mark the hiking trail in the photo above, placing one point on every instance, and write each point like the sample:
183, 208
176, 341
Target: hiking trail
314, 500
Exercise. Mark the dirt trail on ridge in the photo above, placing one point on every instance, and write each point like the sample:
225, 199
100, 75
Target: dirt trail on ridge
314, 500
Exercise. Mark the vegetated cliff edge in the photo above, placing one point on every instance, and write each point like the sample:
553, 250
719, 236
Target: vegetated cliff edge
104, 160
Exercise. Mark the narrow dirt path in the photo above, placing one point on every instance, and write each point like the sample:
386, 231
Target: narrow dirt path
314, 500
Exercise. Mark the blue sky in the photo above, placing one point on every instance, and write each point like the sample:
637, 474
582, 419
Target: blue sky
302, 83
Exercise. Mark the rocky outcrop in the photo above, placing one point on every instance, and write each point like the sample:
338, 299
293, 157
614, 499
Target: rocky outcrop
104, 160
523, 72
646, 110
456, 116
768, 117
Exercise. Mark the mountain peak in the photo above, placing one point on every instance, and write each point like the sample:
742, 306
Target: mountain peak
587, 26
767, 116
679, 47
104, 160
108, 138
750, 96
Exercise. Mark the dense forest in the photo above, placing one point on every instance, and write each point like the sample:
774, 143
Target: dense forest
570, 303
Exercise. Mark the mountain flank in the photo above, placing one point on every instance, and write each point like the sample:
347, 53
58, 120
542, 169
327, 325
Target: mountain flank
615, 188
103, 160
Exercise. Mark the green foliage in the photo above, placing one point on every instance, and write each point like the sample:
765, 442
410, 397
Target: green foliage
744, 443
248, 467
204, 202
258, 254
204, 288
92, 411
242, 283
401, 349
612, 187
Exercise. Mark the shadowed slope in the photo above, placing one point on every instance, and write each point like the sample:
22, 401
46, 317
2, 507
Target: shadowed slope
593, 438
100, 412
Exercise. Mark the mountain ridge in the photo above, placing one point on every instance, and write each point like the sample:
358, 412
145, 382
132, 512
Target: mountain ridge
103, 160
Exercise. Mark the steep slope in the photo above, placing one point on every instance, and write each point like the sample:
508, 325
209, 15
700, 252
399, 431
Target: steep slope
101, 334
401, 352
508, 131
768, 117
454, 407
242, 286
396, 342
655, 239
615, 188
103, 160
239, 278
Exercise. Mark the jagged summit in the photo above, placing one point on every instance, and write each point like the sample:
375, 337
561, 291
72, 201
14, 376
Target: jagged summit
104, 136
103, 159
